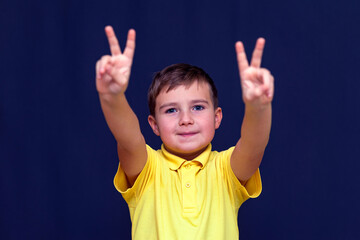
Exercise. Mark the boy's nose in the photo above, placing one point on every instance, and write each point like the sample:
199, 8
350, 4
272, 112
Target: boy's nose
185, 119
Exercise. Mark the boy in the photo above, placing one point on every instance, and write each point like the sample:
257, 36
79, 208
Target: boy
185, 190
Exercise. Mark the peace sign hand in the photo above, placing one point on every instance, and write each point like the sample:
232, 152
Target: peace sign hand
113, 72
257, 83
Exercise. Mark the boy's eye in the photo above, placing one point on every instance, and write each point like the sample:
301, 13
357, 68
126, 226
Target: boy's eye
170, 110
198, 108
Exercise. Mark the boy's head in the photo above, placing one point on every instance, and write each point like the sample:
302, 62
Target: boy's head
184, 112
176, 75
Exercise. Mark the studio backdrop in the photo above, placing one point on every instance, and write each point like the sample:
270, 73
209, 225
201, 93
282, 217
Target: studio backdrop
58, 157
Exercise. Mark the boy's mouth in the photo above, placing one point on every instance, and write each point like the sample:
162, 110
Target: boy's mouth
187, 134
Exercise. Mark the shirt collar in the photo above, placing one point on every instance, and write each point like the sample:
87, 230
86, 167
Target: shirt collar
176, 162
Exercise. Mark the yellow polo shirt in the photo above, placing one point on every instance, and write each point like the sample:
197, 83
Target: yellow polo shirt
173, 198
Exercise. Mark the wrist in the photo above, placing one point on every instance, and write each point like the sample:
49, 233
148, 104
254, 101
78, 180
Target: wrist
257, 107
111, 98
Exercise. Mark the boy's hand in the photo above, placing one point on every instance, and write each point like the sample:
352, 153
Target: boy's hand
113, 72
257, 83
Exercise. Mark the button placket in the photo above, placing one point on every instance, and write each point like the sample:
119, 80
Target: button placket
189, 188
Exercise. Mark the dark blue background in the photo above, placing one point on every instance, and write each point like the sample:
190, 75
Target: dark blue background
58, 157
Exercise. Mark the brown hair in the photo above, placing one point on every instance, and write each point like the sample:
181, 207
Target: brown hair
180, 74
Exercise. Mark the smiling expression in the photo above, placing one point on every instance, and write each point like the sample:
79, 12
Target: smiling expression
185, 119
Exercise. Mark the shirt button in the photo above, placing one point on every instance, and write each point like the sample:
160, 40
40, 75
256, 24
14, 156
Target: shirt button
187, 185
188, 166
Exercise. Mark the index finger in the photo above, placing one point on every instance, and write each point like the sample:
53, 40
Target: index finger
130, 44
258, 52
241, 57
113, 42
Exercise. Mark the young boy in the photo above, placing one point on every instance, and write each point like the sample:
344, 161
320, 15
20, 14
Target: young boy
185, 190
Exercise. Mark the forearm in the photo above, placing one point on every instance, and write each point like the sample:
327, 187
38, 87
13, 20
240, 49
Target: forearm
255, 129
249, 150
121, 120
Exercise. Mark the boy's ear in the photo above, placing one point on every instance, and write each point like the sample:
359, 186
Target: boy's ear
218, 117
153, 124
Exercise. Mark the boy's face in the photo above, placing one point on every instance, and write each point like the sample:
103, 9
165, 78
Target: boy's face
185, 119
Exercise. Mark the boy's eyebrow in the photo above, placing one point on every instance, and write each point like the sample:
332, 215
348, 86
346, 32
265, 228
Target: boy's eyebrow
200, 101
171, 104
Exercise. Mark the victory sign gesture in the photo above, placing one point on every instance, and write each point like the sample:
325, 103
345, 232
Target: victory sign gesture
257, 83
113, 72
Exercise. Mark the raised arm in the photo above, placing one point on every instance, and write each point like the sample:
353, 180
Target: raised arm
257, 86
112, 78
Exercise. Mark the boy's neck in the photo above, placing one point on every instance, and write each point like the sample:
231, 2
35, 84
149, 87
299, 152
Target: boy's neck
187, 156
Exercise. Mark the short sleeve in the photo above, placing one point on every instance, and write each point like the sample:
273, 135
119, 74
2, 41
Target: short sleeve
132, 194
241, 193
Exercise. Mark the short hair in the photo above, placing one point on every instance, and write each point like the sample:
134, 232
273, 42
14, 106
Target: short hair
175, 75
